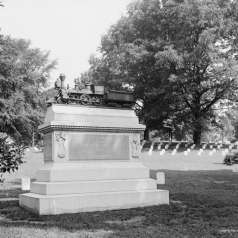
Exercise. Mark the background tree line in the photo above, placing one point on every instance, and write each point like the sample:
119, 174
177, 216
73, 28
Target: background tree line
178, 56
24, 72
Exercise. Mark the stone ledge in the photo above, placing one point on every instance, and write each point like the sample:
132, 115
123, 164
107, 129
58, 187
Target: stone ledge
79, 187
87, 174
45, 128
90, 118
74, 203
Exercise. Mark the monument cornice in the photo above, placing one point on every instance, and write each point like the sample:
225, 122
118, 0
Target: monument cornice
50, 128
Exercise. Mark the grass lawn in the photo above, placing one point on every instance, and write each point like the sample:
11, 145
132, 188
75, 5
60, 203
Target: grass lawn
202, 204
34, 161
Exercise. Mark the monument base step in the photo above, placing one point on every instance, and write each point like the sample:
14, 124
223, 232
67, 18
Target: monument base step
88, 170
73, 203
96, 186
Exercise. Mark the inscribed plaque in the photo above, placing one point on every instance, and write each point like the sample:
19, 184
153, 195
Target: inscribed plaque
98, 147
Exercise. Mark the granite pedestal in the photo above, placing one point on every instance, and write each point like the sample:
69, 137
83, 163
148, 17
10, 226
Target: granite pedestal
92, 163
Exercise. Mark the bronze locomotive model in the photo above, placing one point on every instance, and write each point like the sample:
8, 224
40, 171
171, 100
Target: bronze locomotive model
90, 94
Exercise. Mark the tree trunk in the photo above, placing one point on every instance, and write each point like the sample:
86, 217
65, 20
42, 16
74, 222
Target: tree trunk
146, 134
197, 133
197, 123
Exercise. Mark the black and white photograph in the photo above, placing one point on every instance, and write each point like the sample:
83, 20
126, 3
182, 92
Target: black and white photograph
119, 119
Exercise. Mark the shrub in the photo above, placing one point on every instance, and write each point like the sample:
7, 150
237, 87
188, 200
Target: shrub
11, 155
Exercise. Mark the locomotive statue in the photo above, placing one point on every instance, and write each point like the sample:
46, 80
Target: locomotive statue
90, 94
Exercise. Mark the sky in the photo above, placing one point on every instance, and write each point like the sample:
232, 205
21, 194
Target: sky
71, 30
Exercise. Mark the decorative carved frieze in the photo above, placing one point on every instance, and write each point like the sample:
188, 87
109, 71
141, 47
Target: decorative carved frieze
60, 143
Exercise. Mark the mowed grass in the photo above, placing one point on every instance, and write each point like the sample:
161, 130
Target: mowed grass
202, 204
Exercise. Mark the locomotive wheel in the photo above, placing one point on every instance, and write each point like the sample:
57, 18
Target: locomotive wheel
85, 99
96, 100
58, 100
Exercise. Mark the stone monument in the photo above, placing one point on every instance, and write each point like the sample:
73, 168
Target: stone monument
92, 163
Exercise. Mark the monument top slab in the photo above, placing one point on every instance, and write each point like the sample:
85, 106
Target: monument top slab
76, 116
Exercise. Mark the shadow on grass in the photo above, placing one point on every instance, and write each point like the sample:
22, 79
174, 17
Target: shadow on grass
12, 193
202, 204
221, 163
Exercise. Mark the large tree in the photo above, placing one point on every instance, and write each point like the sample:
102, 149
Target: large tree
180, 59
24, 72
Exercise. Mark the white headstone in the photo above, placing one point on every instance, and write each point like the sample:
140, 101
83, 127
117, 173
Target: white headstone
162, 152
150, 152
159, 146
224, 152
235, 168
174, 151
25, 183
210, 153
204, 146
200, 152
36, 149
142, 144
151, 149
160, 178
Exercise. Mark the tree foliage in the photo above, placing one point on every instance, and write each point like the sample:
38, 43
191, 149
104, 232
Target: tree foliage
180, 59
24, 72
11, 155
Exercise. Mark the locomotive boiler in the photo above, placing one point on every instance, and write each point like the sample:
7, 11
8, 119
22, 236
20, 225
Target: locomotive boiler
90, 94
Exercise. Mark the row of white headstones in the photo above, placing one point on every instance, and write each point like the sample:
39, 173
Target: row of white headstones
189, 149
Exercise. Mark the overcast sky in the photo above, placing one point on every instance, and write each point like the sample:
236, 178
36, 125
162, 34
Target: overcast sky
71, 30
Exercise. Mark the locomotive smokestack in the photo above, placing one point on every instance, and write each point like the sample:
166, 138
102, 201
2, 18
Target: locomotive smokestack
62, 80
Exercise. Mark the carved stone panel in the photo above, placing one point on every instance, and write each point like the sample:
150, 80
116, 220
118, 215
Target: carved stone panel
60, 145
92, 146
135, 145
